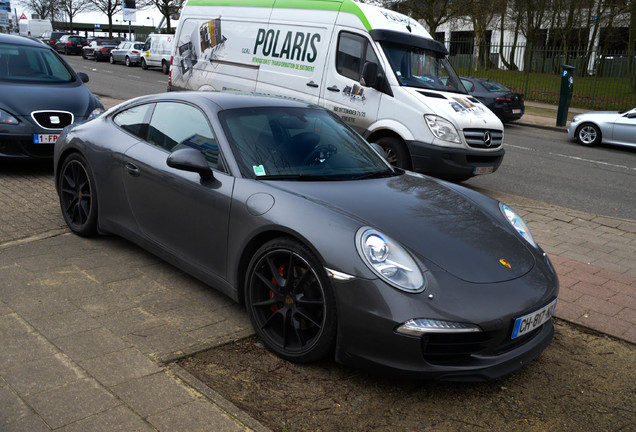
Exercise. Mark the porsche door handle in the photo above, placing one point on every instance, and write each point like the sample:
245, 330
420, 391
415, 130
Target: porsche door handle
333, 88
132, 169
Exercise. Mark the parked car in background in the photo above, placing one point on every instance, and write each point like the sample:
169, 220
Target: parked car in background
157, 49
50, 37
506, 104
40, 95
253, 195
99, 49
34, 27
607, 127
127, 52
70, 44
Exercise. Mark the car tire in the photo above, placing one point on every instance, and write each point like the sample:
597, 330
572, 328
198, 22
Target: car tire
66, 51
127, 62
165, 67
144, 66
78, 199
290, 301
84, 56
111, 59
395, 152
588, 134
95, 57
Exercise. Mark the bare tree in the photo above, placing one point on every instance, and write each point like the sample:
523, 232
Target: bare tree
434, 13
481, 13
108, 8
167, 8
73, 7
46, 9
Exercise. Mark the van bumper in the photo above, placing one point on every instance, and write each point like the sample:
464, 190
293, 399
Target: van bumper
453, 163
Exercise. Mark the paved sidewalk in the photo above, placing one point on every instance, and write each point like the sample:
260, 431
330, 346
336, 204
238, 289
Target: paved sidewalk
90, 327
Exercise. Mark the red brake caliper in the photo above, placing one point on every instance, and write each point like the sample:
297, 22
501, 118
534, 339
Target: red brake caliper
274, 308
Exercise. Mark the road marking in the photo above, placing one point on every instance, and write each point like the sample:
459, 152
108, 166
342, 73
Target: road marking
576, 158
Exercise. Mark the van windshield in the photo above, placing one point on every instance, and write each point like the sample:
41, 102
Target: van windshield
421, 68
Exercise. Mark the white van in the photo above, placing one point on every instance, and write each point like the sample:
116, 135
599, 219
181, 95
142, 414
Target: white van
378, 70
157, 50
34, 27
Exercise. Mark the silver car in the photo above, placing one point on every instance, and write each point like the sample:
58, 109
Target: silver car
127, 53
607, 127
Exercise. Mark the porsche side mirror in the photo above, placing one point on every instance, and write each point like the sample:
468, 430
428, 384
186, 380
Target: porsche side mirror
82, 76
189, 159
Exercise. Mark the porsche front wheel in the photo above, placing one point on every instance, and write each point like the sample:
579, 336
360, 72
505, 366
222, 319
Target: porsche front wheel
290, 301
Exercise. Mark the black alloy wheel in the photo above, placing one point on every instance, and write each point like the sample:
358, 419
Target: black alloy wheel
78, 200
290, 301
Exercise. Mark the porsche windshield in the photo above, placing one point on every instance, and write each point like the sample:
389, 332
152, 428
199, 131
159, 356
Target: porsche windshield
299, 144
421, 68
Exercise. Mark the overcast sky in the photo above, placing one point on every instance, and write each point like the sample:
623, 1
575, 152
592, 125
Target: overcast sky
100, 18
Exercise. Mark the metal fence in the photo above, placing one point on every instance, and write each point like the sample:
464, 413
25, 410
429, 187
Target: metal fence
602, 79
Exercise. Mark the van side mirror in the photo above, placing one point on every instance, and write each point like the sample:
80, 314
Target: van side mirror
369, 77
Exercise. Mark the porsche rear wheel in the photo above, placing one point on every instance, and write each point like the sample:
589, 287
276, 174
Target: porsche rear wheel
78, 200
290, 301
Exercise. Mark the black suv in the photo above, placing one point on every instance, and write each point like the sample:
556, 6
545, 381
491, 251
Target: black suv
50, 37
70, 44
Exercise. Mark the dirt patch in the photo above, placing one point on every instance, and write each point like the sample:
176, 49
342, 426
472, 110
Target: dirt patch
581, 382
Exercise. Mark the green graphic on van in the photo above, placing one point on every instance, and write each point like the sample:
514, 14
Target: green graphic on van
298, 46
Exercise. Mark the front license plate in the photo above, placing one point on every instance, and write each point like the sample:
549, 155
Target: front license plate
483, 170
529, 322
45, 138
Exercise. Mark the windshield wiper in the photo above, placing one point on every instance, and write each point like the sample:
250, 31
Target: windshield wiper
300, 177
376, 174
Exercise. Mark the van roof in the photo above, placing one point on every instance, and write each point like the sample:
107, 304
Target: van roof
372, 17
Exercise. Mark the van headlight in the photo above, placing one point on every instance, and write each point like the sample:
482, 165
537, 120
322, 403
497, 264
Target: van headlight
390, 261
518, 224
442, 128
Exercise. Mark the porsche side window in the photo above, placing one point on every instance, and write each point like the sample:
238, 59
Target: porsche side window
353, 51
175, 125
132, 120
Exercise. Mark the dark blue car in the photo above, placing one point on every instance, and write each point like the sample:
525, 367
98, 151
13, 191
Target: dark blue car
40, 94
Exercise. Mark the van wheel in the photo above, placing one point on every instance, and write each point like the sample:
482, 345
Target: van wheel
396, 152
165, 67
144, 66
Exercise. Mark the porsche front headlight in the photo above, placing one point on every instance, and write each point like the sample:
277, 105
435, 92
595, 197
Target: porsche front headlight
518, 223
390, 261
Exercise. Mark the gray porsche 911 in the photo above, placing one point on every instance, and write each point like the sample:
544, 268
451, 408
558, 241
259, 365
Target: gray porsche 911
335, 254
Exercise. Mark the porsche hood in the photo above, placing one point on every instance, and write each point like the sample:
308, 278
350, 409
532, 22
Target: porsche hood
433, 221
